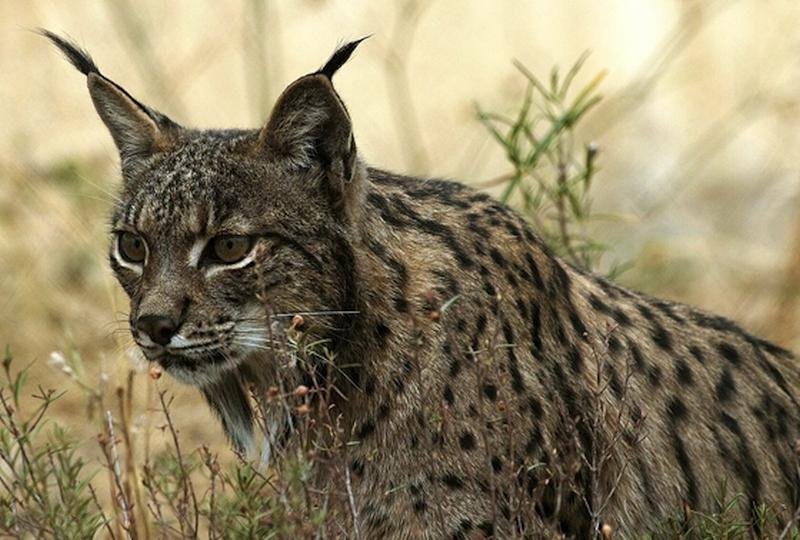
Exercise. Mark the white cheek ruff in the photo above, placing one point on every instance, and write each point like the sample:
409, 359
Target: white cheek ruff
134, 267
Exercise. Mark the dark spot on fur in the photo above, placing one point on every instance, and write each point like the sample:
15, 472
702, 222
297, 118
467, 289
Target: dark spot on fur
521, 307
455, 367
511, 279
534, 270
575, 360
726, 387
715, 322
497, 257
480, 249
661, 337
646, 312
577, 323
598, 304
561, 335
654, 375
685, 464
638, 360
487, 527
466, 441
408, 366
489, 288
366, 429
512, 229
382, 331
383, 411
398, 382
729, 353
535, 406
400, 304
497, 464
419, 506
683, 372
536, 327
676, 409
697, 353
771, 348
745, 462
448, 395
621, 318
452, 481
357, 466
480, 326
561, 275
667, 309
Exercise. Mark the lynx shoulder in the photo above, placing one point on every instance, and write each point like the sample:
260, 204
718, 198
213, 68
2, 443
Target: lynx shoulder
485, 386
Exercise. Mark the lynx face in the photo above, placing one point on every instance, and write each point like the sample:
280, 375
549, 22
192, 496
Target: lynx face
220, 236
194, 253
216, 251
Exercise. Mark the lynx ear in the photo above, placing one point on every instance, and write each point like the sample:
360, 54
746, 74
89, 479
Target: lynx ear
137, 130
309, 125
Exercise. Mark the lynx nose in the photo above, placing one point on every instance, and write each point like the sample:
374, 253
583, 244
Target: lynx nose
158, 327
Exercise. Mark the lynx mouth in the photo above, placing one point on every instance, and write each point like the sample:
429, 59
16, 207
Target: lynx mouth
191, 363
195, 360
196, 370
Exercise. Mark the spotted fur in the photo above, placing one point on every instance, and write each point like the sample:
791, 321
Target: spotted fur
475, 358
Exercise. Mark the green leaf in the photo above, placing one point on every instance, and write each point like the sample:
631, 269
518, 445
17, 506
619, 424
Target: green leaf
570, 76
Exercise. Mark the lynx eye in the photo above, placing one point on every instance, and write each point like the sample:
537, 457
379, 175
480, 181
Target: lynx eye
228, 248
132, 248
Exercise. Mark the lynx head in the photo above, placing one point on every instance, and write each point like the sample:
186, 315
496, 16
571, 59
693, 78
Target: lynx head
219, 234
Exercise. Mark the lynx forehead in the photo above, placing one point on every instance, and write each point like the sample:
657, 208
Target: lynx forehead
480, 419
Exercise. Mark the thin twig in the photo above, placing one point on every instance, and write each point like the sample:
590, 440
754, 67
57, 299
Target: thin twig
106, 522
188, 488
109, 447
352, 501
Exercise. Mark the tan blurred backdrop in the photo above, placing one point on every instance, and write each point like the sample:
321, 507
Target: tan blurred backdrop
698, 130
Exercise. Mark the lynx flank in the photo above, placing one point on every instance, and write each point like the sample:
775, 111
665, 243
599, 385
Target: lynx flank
485, 387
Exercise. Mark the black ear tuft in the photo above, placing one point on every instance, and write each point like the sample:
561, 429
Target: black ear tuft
339, 57
81, 59
76, 55
137, 130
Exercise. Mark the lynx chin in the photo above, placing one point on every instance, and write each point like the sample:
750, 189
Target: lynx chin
543, 398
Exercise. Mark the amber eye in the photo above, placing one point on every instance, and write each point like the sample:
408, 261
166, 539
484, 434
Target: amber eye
229, 248
132, 247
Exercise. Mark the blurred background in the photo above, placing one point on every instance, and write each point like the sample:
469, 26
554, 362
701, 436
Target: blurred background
697, 193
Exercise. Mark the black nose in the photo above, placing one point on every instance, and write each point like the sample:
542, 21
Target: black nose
159, 328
